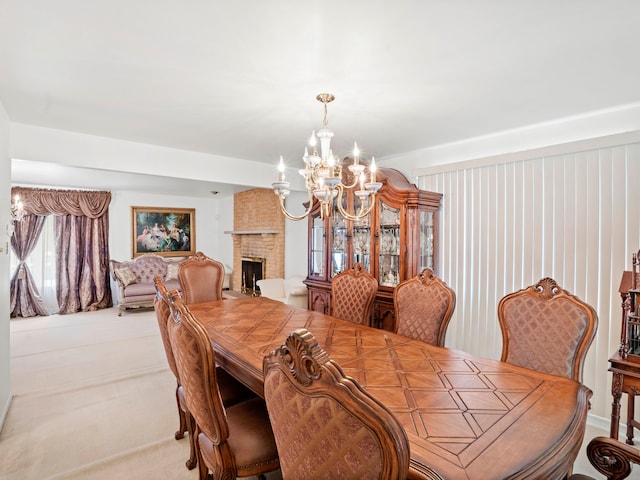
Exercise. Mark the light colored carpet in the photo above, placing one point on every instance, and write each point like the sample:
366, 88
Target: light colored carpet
93, 399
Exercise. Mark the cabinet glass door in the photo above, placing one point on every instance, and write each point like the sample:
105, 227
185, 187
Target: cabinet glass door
317, 248
426, 240
338, 243
361, 241
389, 250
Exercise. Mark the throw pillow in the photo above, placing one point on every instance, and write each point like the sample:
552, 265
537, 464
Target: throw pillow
126, 276
172, 271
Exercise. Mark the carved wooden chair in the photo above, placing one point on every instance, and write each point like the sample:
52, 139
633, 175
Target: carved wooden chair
201, 279
325, 424
423, 308
231, 390
233, 441
612, 458
547, 329
352, 294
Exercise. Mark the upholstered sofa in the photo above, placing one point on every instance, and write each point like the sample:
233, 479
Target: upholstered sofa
135, 279
285, 290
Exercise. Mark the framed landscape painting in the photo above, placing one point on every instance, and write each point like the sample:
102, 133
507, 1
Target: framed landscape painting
169, 232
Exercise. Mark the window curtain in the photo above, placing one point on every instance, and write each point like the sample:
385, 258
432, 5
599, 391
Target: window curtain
81, 226
25, 300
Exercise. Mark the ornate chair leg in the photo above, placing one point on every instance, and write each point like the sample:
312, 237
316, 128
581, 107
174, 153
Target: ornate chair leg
193, 457
183, 427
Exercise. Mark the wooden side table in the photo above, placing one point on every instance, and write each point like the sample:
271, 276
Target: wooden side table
626, 379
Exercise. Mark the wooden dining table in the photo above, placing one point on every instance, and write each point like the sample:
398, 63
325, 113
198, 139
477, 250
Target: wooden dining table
465, 417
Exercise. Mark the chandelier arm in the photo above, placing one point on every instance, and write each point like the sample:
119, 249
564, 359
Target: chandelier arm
355, 182
361, 214
296, 217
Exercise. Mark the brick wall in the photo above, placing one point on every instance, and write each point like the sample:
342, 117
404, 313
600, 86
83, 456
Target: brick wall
255, 210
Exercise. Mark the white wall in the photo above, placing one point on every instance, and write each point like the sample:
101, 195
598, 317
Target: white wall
569, 212
208, 228
295, 237
5, 199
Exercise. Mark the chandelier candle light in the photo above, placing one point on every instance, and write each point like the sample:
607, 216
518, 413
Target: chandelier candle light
322, 174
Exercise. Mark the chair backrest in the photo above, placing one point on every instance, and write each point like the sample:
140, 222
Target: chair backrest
352, 295
547, 329
161, 307
325, 424
201, 279
423, 307
196, 363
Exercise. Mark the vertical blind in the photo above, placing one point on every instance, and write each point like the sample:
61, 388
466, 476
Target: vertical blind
574, 217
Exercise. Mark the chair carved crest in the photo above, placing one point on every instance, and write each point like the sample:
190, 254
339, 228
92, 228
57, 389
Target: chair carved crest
201, 279
352, 294
325, 424
547, 329
423, 308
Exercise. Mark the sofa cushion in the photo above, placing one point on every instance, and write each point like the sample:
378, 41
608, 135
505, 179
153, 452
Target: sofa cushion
138, 289
125, 275
298, 290
172, 285
172, 271
146, 267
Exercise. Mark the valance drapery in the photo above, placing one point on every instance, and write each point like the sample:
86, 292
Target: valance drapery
88, 203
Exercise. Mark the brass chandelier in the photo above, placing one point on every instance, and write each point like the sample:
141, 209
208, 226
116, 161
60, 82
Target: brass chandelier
322, 174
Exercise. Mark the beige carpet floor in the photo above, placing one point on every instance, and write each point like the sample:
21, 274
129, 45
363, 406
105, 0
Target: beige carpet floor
94, 399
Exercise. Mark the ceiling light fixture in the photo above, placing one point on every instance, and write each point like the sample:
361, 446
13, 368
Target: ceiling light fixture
323, 176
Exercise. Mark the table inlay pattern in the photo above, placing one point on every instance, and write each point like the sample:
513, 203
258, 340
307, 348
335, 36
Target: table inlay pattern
452, 405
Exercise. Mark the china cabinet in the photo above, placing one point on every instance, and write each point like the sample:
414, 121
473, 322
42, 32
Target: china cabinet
396, 241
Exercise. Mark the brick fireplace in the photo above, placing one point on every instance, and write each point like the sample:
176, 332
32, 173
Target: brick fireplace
258, 232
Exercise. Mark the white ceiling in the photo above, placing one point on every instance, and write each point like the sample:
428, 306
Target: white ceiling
239, 79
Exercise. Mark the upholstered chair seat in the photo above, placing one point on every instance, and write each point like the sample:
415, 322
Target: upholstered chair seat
352, 294
423, 307
251, 441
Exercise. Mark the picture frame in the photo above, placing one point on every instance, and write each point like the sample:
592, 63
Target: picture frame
169, 232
